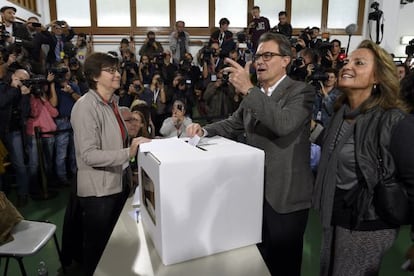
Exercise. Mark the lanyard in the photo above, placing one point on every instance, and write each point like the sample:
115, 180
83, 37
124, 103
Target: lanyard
156, 95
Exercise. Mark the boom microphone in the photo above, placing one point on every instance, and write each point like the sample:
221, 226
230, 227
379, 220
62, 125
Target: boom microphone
351, 29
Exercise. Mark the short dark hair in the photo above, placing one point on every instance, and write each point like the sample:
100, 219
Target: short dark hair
280, 39
94, 64
150, 33
332, 70
256, 8
337, 41
283, 13
178, 22
224, 21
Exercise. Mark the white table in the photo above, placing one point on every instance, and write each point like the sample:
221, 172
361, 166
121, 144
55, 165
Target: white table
131, 252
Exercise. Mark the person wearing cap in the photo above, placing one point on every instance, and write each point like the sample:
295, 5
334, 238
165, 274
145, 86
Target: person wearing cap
223, 37
17, 30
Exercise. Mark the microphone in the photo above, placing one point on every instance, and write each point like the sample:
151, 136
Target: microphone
351, 29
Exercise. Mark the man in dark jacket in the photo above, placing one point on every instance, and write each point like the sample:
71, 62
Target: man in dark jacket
223, 37
14, 109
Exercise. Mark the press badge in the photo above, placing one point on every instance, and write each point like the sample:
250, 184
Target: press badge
213, 77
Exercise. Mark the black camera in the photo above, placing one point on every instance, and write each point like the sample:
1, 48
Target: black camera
208, 53
180, 107
182, 82
36, 84
60, 23
185, 65
59, 73
137, 87
409, 49
36, 24
58, 70
298, 62
128, 65
319, 76
225, 78
159, 58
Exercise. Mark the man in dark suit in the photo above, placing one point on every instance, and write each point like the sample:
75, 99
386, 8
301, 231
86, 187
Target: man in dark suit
275, 118
61, 34
17, 31
223, 37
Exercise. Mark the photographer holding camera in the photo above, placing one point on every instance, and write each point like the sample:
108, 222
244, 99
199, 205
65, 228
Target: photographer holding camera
146, 70
14, 111
129, 67
223, 37
209, 57
151, 47
220, 97
12, 32
68, 93
42, 114
302, 67
135, 91
323, 108
176, 125
60, 34
179, 42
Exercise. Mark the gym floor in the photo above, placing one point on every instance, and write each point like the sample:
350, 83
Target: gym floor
53, 210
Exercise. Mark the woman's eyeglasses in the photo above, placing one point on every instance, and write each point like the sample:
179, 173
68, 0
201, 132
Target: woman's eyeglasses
111, 70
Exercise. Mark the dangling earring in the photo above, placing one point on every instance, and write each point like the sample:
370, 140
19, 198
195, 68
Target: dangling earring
375, 86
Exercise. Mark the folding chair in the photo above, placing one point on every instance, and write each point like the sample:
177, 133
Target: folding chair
29, 238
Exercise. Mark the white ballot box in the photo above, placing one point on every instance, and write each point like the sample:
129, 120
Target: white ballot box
197, 201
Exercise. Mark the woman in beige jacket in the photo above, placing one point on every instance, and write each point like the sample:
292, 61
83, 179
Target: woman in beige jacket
102, 154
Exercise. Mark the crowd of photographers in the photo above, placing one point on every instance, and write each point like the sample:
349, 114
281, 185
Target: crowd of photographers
41, 78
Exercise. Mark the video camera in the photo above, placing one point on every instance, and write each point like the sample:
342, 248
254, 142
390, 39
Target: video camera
317, 77
59, 73
36, 84
409, 49
159, 58
208, 53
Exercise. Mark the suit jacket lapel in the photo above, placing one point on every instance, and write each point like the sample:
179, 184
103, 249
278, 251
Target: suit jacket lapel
282, 89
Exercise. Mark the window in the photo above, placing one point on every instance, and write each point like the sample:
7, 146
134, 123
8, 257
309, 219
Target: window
136, 17
27, 4
235, 11
75, 17
154, 13
106, 17
194, 14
